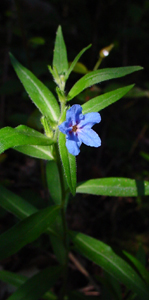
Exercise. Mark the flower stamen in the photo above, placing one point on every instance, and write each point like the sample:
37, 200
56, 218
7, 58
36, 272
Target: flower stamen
74, 128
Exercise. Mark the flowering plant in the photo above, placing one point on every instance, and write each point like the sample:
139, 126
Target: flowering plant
65, 129
77, 128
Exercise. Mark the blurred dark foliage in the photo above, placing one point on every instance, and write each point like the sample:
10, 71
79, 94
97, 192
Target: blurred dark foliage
27, 29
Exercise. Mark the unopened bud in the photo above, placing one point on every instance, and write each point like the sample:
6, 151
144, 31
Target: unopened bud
105, 51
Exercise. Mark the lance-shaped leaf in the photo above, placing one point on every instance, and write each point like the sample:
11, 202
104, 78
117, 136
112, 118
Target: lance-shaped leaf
21, 135
75, 61
68, 162
138, 265
99, 76
54, 182
104, 256
27, 231
98, 103
12, 278
20, 207
60, 60
15, 204
37, 91
118, 187
34, 288
37, 151
17, 280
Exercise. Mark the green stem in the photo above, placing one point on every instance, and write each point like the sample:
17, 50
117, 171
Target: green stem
98, 63
63, 290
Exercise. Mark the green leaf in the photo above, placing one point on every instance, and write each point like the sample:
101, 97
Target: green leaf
37, 151
104, 256
145, 155
12, 278
35, 287
21, 135
141, 255
37, 40
37, 91
17, 280
110, 287
99, 76
118, 187
60, 61
26, 231
15, 204
68, 162
80, 68
75, 295
73, 64
59, 249
114, 286
138, 265
98, 103
21, 208
54, 182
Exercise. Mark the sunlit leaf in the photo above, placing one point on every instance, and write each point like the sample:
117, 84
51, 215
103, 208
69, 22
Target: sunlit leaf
99, 76
75, 61
123, 187
21, 135
68, 162
37, 91
60, 53
37, 151
98, 103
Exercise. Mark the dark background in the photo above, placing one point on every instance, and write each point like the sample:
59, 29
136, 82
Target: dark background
124, 130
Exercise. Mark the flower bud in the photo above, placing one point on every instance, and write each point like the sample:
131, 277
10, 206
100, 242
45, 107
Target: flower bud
105, 51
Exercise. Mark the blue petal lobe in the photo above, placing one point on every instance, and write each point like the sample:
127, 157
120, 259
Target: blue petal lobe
73, 114
90, 119
72, 147
64, 127
89, 137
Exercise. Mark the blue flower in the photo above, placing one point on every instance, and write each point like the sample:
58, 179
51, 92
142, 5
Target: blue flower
77, 128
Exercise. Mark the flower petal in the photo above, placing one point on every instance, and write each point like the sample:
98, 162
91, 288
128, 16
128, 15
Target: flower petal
73, 114
73, 147
89, 137
90, 119
64, 127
